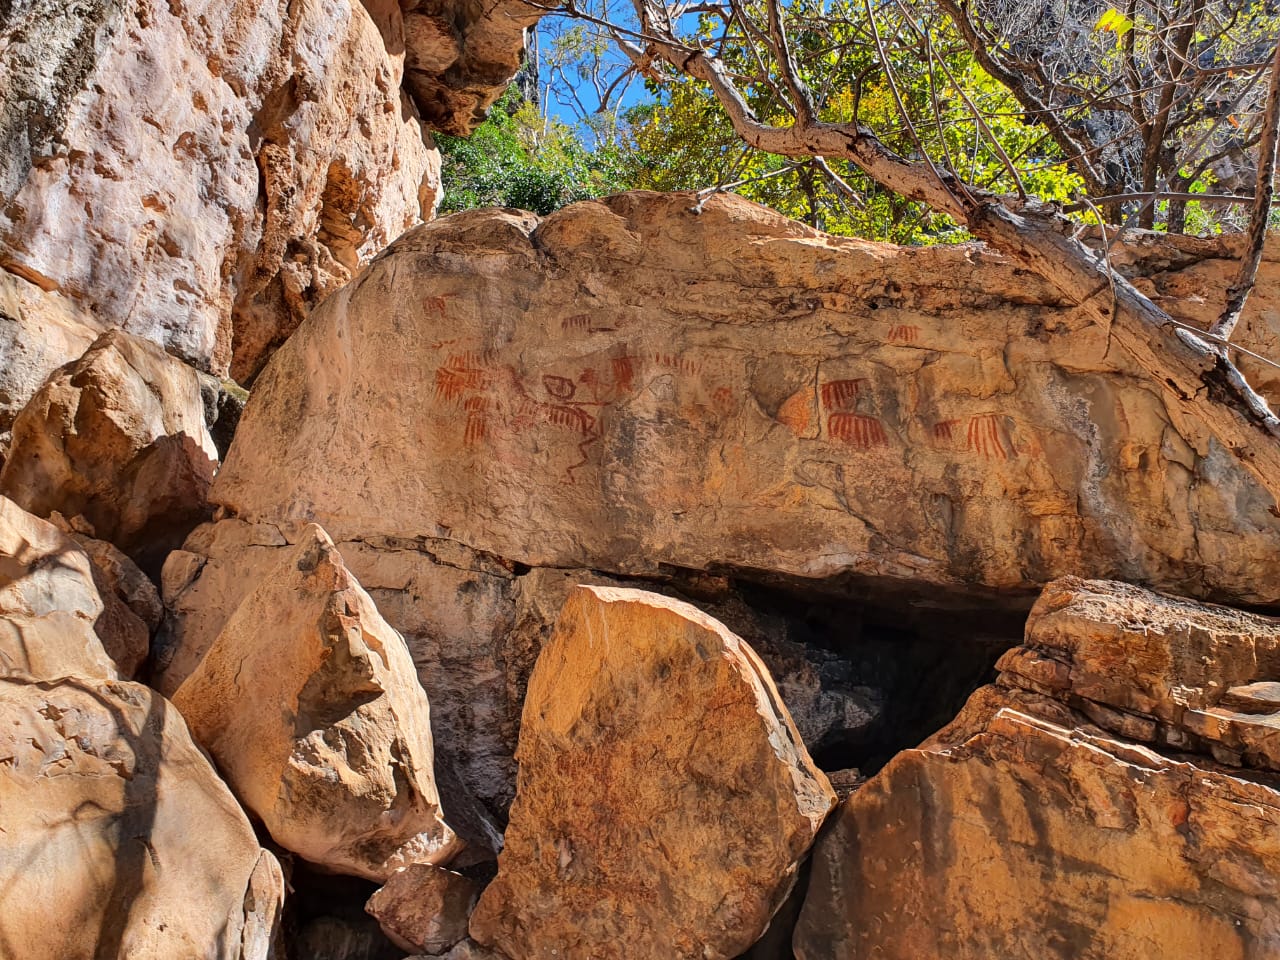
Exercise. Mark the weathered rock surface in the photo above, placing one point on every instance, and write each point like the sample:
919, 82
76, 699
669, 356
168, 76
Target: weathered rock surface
423, 908
1026, 829
733, 390
202, 174
309, 703
39, 332
132, 608
459, 57
50, 607
474, 626
116, 822
665, 798
117, 437
1159, 669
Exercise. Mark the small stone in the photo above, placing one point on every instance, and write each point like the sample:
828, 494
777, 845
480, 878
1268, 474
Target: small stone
424, 908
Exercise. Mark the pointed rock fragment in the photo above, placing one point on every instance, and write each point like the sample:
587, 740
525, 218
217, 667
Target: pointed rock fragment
309, 703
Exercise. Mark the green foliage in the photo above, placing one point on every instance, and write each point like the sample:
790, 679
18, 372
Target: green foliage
516, 159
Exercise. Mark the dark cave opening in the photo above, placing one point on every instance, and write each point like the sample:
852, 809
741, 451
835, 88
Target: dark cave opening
913, 652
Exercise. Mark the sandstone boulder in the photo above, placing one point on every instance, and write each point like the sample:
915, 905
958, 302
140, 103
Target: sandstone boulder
309, 704
1035, 839
1035, 826
460, 57
119, 839
39, 332
731, 390
665, 798
423, 908
50, 607
117, 437
202, 174
474, 625
1155, 668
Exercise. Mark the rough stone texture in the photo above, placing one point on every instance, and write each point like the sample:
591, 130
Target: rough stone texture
203, 173
132, 607
39, 332
474, 626
119, 438
1031, 839
323, 731
424, 909
1033, 826
1188, 277
628, 385
50, 607
460, 56
1155, 668
117, 822
665, 798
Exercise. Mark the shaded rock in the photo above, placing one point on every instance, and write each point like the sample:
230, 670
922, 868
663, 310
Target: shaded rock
1035, 825
733, 391
455, 609
470, 950
1156, 668
132, 607
323, 731
50, 607
39, 332
114, 815
118, 437
460, 57
665, 798
423, 908
339, 938
1031, 838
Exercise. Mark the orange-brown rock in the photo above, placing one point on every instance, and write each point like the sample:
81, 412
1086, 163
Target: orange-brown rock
1028, 838
424, 909
118, 838
202, 174
50, 609
732, 390
39, 332
474, 628
1156, 668
119, 438
309, 704
1035, 825
460, 57
664, 799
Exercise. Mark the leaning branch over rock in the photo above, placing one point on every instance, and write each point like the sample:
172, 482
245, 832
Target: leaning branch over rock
1199, 380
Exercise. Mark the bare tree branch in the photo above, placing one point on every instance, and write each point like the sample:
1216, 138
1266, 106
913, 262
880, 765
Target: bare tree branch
1239, 291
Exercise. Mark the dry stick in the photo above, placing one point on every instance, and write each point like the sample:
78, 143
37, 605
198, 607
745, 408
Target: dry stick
1239, 291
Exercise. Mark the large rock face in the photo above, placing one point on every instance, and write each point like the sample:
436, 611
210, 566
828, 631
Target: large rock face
1025, 830
50, 607
309, 703
118, 437
627, 385
665, 798
202, 173
119, 839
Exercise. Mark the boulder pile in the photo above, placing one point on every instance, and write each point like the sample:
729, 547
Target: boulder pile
654, 580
